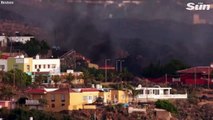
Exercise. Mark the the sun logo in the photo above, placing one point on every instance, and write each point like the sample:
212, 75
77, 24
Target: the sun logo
198, 6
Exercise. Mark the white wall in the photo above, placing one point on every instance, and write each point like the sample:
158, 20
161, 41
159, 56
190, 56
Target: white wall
3, 62
47, 65
22, 39
3, 41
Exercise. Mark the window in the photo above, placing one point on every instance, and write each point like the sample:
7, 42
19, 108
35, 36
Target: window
62, 98
35, 66
44, 66
90, 98
147, 92
39, 66
15, 66
142, 91
62, 104
2, 67
53, 66
156, 92
53, 105
53, 98
84, 98
48, 66
28, 68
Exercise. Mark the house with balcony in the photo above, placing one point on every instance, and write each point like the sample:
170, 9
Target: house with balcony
71, 99
36, 98
68, 99
154, 93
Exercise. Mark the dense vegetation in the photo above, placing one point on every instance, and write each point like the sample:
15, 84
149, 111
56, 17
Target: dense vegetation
158, 70
33, 47
24, 114
165, 104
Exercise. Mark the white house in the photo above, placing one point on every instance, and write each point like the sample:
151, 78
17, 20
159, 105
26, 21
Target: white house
157, 92
22, 39
51, 66
3, 41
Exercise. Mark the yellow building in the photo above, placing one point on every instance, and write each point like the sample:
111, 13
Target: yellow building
66, 99
21, 63
72, 99
106, 95
119, 96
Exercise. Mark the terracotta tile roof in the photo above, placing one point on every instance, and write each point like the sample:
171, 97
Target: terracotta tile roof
36, 91
89, 90
4, 56
198, 69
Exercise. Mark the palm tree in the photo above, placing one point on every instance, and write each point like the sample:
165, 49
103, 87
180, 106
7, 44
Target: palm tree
69, 78
39, 79
134, 92
56, 79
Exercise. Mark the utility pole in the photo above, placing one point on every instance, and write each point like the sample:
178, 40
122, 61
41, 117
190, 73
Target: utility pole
116, 65
14, 76
105, 62
11, 47
195, 76
121, 61
208, 76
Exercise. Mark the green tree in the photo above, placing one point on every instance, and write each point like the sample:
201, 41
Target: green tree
69, 78
165, 104
56, 79
134, 92
173, 66
39, 79
17, 77
100, 77
44, 47
6, 92
21, 101
158, 70
34, 47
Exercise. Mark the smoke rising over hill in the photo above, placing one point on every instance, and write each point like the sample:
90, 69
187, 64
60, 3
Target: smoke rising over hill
151, 31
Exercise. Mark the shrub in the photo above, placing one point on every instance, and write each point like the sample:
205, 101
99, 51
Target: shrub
165, 104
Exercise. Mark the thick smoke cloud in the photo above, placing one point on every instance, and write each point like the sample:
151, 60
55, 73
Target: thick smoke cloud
154, 30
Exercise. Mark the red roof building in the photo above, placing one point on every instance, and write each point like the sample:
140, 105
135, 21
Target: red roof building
199, 75
107, 68
36, 91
